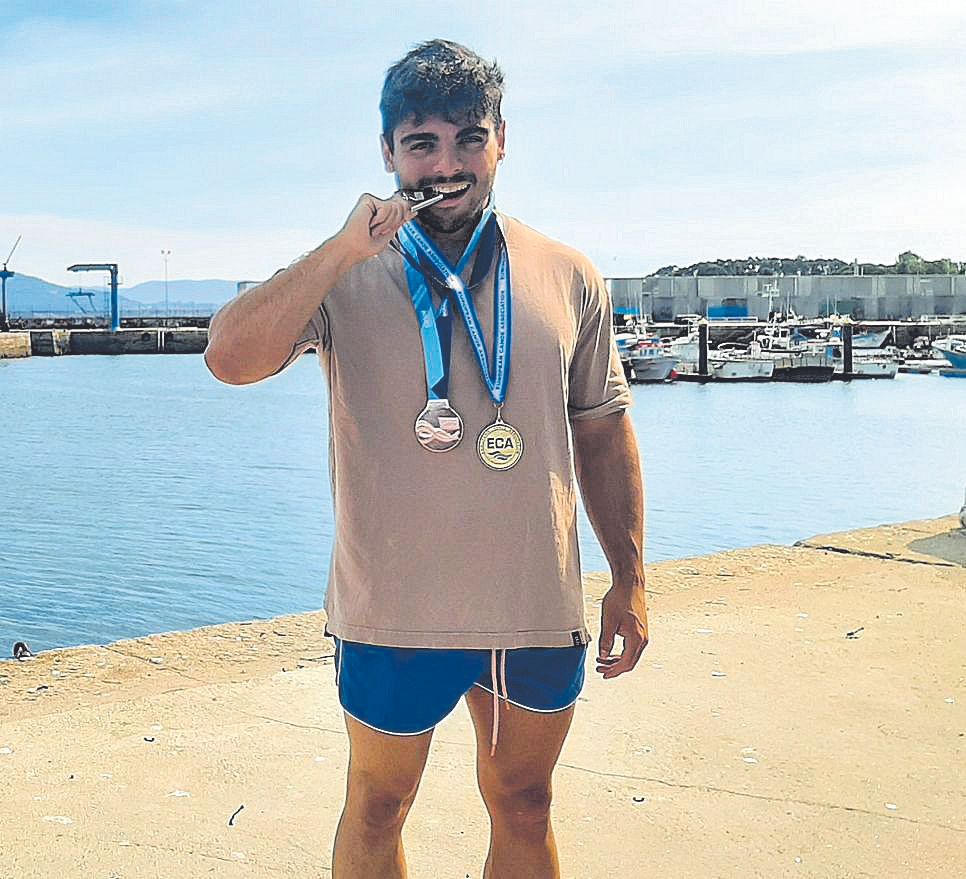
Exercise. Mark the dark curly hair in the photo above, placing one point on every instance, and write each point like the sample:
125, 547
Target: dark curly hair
440, 78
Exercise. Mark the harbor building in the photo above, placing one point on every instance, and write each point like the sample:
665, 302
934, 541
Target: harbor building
862, 297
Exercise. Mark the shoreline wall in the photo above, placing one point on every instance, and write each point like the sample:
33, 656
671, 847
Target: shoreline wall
153, 340
14, 345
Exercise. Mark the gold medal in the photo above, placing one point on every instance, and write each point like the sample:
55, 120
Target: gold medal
500, 445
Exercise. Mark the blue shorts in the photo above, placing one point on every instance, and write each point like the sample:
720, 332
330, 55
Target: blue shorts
408, 690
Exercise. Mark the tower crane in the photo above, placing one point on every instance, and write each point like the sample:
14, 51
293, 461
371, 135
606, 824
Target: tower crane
4, 274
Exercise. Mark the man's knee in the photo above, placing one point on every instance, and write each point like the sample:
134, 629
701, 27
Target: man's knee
380, 807
521, 806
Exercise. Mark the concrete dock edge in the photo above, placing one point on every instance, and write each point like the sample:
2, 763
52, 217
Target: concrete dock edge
800, 711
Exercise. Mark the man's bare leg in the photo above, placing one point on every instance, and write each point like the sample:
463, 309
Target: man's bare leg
383, 777
516, 786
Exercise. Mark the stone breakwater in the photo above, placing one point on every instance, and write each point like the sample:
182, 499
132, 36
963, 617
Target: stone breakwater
14, 345
142, 340
799, 711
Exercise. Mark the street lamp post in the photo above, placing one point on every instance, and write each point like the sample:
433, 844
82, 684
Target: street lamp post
164, 255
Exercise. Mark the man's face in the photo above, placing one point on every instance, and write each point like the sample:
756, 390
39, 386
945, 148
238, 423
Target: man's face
461, 158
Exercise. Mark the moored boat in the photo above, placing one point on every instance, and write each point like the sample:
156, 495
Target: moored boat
685, 348
866, 339
728, 363
869, 367
870, 339
624, 342
738, 367
796, 359
953, 349
865, 363
650, 361
802, 366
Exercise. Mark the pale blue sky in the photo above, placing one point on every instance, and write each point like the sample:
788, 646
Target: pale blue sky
239, 134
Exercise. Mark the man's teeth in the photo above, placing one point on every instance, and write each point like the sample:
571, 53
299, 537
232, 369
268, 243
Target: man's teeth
447, 188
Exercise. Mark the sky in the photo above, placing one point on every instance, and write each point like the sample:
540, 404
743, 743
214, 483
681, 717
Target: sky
644, 133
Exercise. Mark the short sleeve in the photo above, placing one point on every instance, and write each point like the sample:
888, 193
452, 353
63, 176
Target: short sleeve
314, 335
598, 386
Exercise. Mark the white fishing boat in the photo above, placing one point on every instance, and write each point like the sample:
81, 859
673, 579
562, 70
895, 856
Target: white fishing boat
728, 363
734, 366
685, 348
650, 361
866, 363
625, 341
797, 359
869, 367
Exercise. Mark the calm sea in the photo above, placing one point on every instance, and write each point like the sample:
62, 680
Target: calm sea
139, 495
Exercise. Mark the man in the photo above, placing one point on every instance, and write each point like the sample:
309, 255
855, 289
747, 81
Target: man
455, 571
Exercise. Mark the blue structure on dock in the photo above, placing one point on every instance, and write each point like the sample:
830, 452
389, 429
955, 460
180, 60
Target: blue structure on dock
5, 274
104, 267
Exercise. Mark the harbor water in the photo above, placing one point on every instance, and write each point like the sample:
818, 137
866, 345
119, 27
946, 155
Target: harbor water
139, 495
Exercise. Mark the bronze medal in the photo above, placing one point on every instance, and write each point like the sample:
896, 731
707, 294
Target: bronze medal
439, 427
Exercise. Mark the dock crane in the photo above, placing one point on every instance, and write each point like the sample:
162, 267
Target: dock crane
4, 274
104, 267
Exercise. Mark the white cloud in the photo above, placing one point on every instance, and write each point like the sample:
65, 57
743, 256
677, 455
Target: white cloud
293, 95
750, 27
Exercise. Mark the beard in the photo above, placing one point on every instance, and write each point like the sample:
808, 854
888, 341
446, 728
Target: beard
446, 224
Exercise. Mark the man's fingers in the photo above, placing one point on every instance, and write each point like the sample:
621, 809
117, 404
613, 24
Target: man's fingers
626, 662
634, 644
606, 642
389, 217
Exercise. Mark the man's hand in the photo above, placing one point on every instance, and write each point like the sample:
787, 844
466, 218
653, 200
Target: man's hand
623, 612
372, 224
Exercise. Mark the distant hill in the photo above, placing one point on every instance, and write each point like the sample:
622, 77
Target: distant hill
907, 263
28, 295
214, 291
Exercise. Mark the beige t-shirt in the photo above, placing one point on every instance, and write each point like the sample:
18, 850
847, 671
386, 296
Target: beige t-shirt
435, 549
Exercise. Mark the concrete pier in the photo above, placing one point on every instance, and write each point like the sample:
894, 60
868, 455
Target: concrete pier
14, 345
800, 712
49, 343
143, 340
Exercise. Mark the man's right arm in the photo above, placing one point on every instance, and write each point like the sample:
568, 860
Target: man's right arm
251, 337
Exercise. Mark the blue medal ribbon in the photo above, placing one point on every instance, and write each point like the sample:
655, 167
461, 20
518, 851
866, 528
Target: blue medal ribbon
423, 260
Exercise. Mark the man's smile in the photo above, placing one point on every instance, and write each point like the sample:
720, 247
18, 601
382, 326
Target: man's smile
451, 191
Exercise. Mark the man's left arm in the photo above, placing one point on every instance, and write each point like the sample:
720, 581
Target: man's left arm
608, 468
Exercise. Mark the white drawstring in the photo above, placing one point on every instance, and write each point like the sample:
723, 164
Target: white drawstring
496, 696
506, 692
